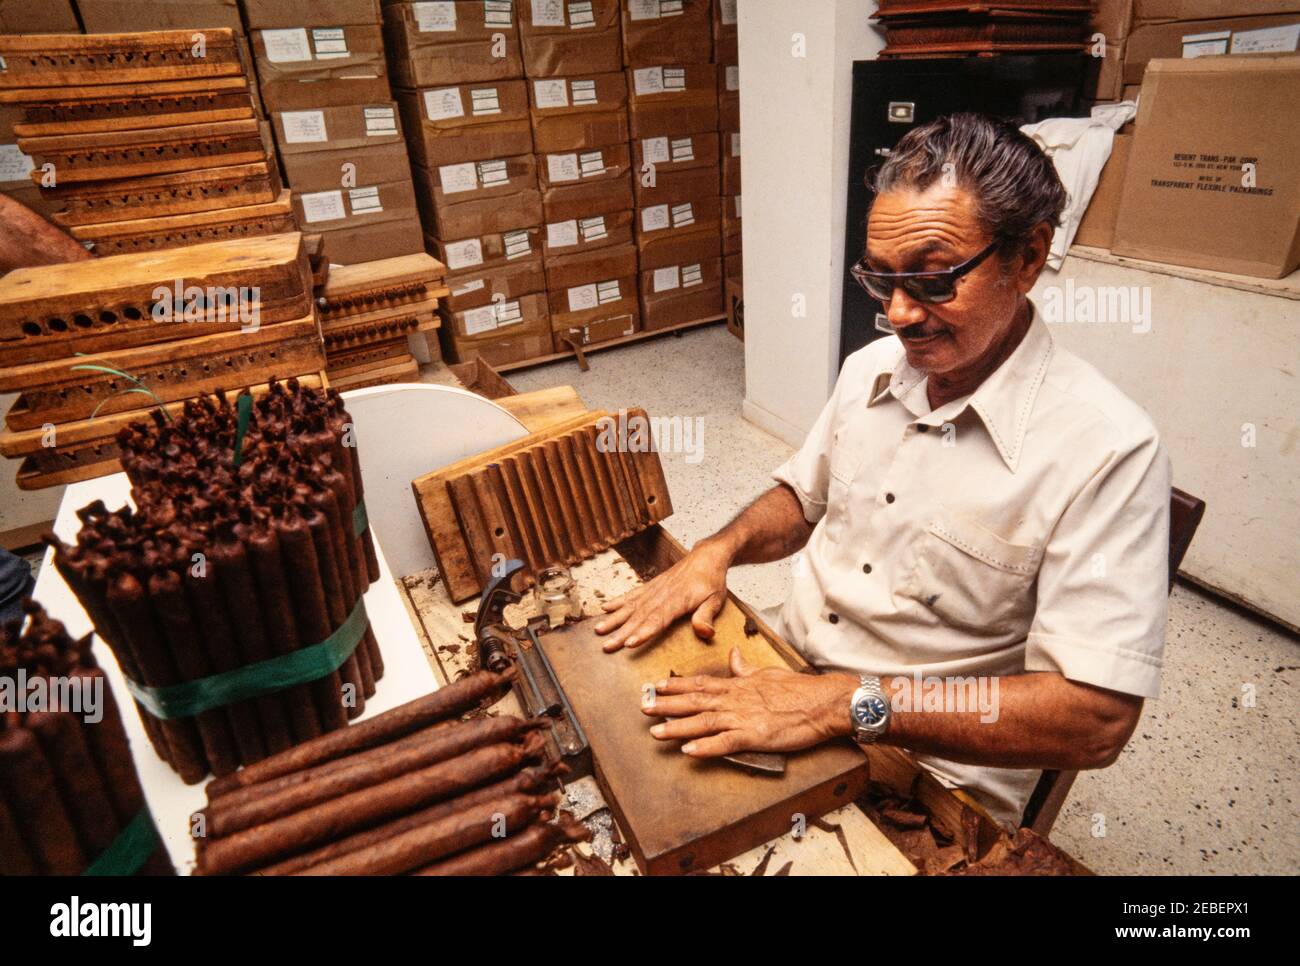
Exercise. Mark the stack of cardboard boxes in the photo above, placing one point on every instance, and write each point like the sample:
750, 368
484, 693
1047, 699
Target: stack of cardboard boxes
324, 82
726, 54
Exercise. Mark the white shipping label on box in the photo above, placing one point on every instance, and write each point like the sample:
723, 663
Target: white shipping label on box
517, 244
14, 165
666, 279
286, 46
322, 206
584, 92
727, 10
1206, 45
508, 313
648, 80
329, 42
643, 9
654, 218
692, 275
561, 167
438, 17
482, 319
674, 78
607, 292
671, 8
484, 100
1267, 40
733, 78
492, 173
468, 287
593, 229
551, 92
458, 177
381, 120
303, 127
592, 163
443, 103
683, 149
582, 297
655, 150
464, 254
581, 15
562, 234
498, 13
735, 144
365, 201
683, 215
548, 13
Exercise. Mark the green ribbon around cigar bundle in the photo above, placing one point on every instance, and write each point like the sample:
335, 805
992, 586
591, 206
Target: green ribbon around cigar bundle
129, 851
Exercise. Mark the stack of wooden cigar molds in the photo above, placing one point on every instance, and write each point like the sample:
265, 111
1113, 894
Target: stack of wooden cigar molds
146, 140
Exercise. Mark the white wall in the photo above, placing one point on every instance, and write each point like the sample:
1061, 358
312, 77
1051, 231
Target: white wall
794, 122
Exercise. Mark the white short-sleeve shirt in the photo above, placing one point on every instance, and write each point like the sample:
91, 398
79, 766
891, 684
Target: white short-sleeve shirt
1024, 527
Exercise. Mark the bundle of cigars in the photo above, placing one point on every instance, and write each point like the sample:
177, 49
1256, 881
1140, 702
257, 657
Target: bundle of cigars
68, 785
144, 141
416, 790
237, 551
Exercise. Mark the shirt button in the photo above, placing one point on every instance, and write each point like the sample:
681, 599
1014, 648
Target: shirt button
866, 568
834, 618
889, 498
922, 428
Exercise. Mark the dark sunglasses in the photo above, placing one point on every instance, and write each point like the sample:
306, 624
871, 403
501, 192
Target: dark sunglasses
933, 288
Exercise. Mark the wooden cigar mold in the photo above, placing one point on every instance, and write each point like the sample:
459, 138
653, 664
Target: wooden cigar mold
177, 231
559, 496
206, 189
52, 111
67, 787
47, 60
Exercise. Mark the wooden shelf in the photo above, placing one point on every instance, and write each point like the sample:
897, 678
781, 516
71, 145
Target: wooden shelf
622, 340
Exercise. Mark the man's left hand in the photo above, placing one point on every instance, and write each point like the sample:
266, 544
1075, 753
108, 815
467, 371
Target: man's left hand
758, 709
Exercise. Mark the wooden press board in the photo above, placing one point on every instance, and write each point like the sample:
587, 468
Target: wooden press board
681, 814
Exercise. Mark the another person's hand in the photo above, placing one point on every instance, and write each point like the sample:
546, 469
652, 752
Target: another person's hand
768, 709
696, 583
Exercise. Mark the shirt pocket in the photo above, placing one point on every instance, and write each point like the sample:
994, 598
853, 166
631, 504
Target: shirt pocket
844, 463
973, 579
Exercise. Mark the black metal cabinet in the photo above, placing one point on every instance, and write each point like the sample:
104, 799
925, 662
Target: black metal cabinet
890, 97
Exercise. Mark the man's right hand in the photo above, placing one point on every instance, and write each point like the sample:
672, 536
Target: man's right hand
696, 583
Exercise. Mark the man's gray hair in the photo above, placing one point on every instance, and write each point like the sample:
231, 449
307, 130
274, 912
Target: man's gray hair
1013, 183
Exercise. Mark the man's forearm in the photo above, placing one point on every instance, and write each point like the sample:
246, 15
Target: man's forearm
770, 528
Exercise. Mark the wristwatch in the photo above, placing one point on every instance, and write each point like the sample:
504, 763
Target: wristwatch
868, 711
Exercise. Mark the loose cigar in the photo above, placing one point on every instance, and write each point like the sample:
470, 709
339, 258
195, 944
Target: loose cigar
329, 820
534, 779
524, 848
446, 702
445, 836
178, 624
15, 857
76, 779
260, 803
111, 753
29, 788
337, 574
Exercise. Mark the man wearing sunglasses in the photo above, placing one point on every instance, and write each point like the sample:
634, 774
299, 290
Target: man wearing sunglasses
975, 505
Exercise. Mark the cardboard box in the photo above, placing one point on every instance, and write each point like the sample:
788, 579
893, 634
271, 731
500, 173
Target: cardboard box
284, 14
673, 187
575, 183
731, 231
728, 97
675, 31
38, 17
733, 267
460, 42
327, 170
578, 112
462, 200
725, 47
1279, 33
664, 167
581, 268
350, 207
1111, 18
1188, 198
1105, 75
294, 75
561, 39
491, 250
469, 122
731, 175
346, 127
616, 319
674, 99
688, 231
592, 231
1158, 11
1097, 228
480, 286
679, 293
351, 244
508, 332
128, 16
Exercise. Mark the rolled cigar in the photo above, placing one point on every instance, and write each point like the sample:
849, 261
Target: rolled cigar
534, 779
76, 779
347, 556
111, 754
29, 788
15, 857
528, 847
260, 803
451, 700
445, 836
135, 617
369, 806
337, 605
178, 624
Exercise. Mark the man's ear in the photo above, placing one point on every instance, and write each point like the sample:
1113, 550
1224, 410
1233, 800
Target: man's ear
1034, 256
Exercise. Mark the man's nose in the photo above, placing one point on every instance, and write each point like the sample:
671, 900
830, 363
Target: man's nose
903, 310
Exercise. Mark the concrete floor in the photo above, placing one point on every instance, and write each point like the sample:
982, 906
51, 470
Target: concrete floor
1207, 785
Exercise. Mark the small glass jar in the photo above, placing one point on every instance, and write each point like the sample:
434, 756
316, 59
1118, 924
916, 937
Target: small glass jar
557, 595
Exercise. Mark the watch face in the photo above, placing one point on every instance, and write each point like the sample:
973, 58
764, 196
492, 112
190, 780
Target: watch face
870, 710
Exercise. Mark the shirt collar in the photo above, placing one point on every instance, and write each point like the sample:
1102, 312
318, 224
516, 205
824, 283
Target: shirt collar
1003, 401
